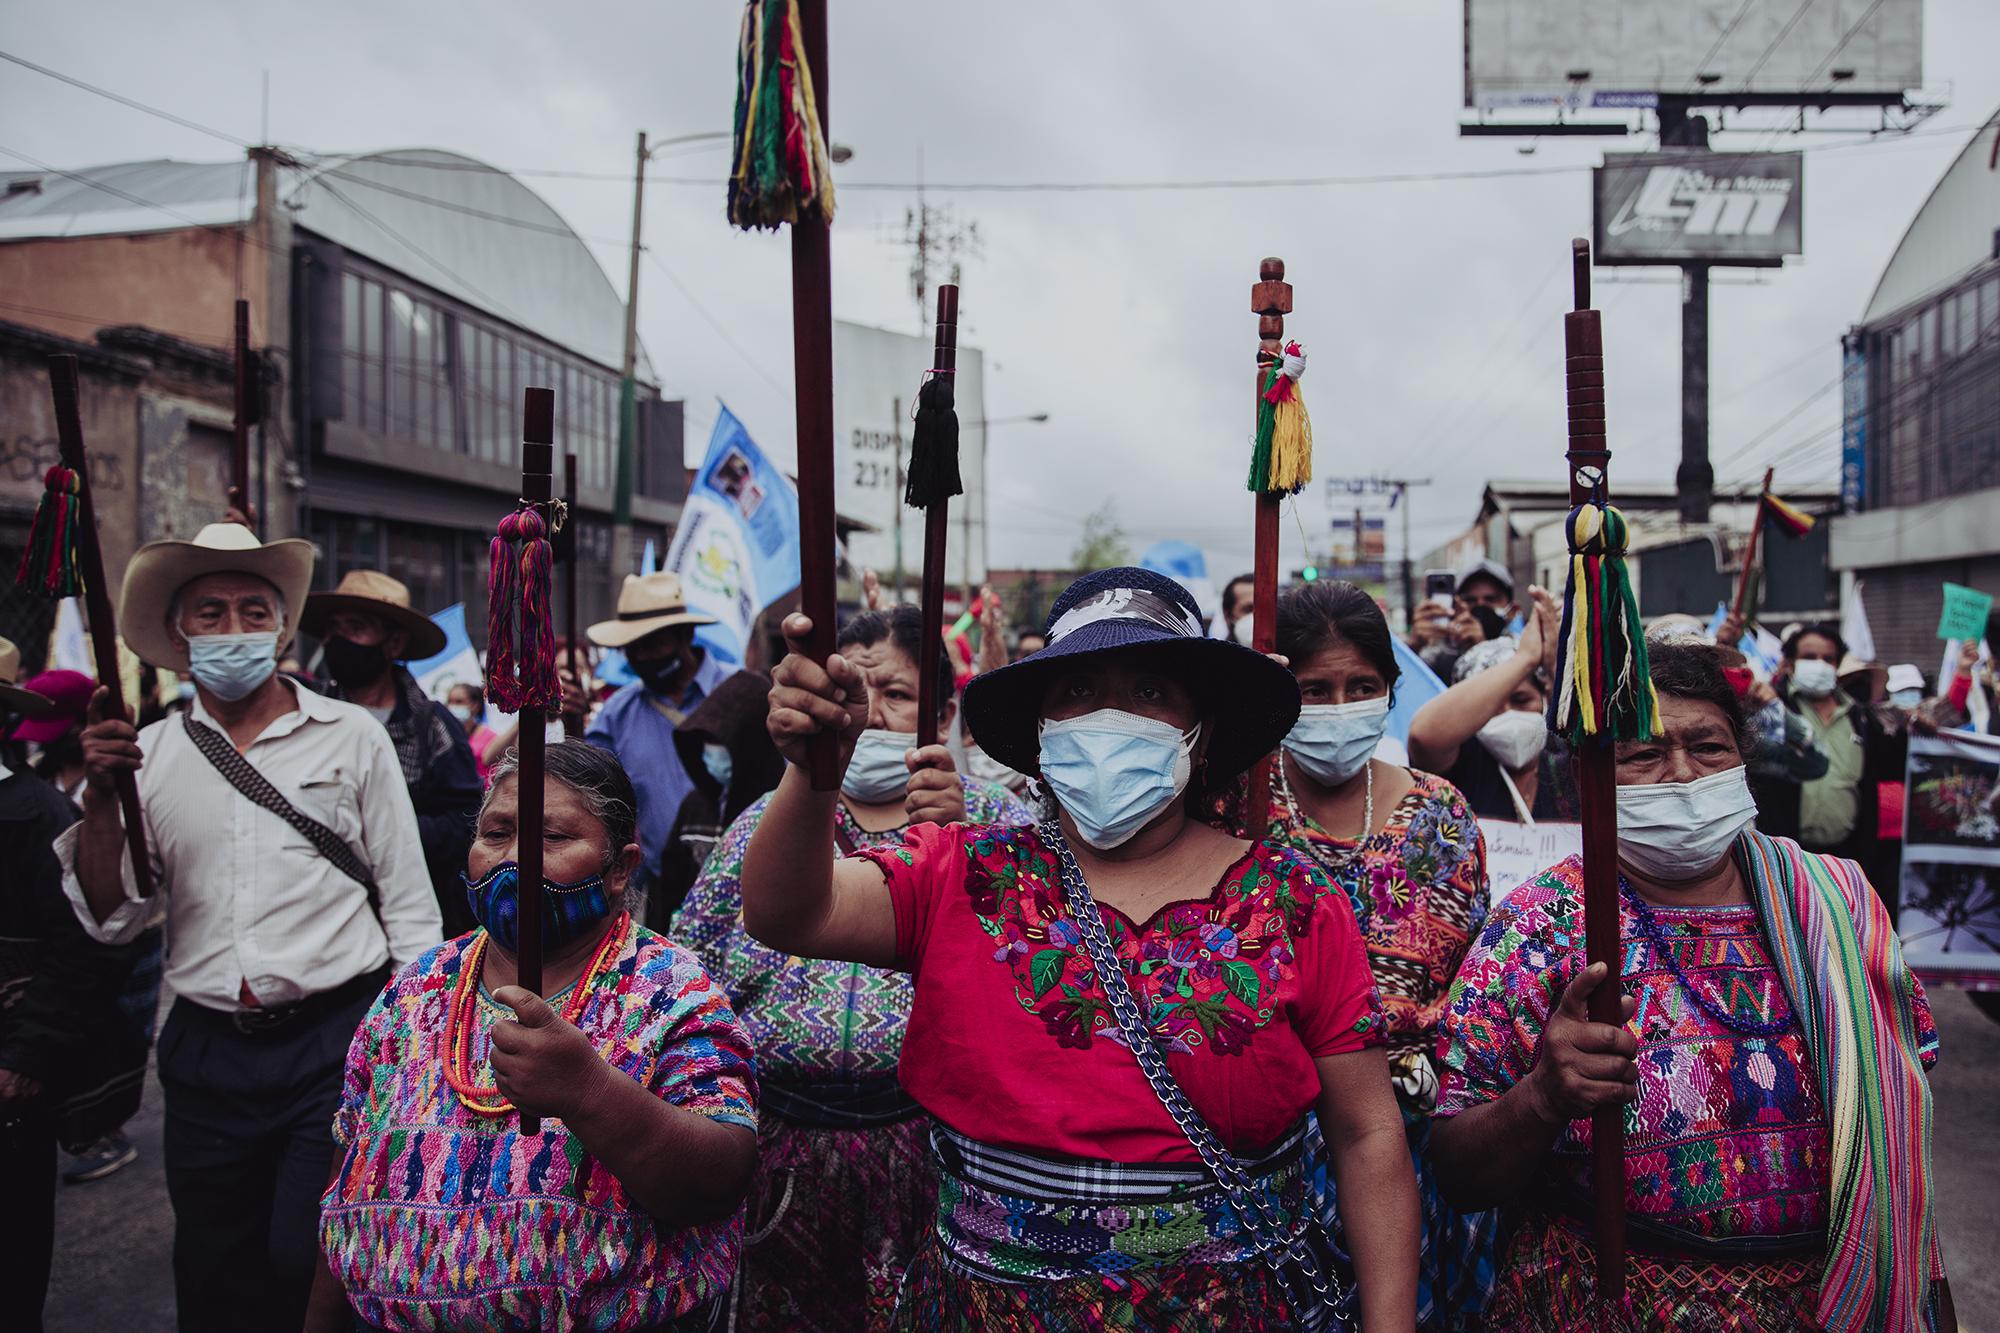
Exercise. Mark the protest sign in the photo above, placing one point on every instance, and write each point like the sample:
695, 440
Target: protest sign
1965, 612
1517, 852
1950, 915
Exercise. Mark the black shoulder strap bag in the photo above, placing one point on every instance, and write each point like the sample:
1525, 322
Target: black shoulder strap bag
241, 774
1304, 1256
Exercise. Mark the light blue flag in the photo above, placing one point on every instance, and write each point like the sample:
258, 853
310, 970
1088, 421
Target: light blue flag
649, 562
1715, 622
453, 664
1417, 686
737, 546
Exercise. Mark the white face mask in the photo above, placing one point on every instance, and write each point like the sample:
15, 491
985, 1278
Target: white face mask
1676, 831
877, 772
463, 712
1242, 630
1515, 738
1331, 742
1813, 678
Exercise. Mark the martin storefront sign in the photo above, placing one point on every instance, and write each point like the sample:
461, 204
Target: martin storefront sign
1700, 207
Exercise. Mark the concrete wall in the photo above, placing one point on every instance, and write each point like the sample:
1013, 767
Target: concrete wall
179, 282
109, 407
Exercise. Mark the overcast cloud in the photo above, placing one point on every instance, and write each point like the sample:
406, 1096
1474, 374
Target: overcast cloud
1432, 311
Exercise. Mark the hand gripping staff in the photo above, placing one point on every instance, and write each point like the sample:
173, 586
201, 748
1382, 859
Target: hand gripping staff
1603, 693
933, 481
1280, 466
63, 559
782, 174
521, 660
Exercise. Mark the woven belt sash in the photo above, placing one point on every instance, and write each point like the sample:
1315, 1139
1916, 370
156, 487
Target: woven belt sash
1010, 1216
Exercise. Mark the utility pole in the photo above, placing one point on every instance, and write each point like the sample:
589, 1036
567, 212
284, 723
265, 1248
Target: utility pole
628, 391
896, 435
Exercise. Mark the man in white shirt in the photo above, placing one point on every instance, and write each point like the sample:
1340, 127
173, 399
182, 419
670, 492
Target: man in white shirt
278, 935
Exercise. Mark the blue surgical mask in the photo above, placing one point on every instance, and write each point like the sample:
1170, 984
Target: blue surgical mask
230, 666
1114, 772
1907, 698
569, 911
877, 772
1332, 742
719, 763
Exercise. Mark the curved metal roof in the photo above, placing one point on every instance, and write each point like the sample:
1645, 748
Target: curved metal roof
442, 219
1950, 235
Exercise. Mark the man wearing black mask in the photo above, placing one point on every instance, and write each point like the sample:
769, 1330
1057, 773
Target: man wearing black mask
656, 631
367, 629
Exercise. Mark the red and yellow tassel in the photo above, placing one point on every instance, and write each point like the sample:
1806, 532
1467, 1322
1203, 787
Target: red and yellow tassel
1281, 454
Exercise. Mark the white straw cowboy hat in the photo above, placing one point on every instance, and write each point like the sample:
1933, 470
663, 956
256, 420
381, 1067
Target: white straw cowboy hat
370, 592
646, 603
161, 569
12, 697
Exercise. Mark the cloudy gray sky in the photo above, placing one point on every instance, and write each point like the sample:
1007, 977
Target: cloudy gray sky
1432, 310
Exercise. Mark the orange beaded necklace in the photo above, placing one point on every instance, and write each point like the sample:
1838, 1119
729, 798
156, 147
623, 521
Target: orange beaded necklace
460, 1020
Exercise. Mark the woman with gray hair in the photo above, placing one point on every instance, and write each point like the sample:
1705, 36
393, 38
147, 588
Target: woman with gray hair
622, 1212
1488, 736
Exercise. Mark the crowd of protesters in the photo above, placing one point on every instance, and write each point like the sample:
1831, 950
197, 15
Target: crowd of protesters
1042, 1027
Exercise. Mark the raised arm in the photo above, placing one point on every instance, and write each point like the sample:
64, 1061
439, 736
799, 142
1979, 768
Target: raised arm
796, 897
1444, 725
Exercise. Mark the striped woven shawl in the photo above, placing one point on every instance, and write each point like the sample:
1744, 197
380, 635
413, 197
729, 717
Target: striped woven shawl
1842, 967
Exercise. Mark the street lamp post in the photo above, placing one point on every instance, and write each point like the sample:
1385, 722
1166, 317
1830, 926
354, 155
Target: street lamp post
628, 389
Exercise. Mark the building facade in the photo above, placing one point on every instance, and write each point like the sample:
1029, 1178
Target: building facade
1920, 449
402, 302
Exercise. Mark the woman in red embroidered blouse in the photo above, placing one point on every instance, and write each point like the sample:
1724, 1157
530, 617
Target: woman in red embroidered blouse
1070, 1196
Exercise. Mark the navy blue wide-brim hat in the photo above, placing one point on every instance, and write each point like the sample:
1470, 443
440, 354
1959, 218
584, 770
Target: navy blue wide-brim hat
1250, 700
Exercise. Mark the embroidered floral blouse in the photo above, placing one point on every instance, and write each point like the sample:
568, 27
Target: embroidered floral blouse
441, 1218
1011, 1039
1729, 1139
1418, 890
811, 1018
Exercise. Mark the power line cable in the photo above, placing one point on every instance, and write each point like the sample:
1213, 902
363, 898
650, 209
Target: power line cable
123, 100
1783, 33
756, 363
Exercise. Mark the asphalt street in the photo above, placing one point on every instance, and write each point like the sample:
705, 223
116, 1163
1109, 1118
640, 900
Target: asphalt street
114, 1237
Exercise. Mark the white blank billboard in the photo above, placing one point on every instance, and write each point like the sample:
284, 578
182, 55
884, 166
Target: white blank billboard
1522, 53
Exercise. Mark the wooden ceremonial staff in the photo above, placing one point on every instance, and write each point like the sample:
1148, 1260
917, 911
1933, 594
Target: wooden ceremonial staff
937, 516
1595, 763
812, 383
246, 416
1270, 301
1750, 552
574, 542
97, 601
538, 433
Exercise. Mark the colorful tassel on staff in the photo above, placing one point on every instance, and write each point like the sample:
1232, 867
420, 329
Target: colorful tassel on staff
1604, 684
933, 472
1281, 458
51, 565
781, 166
1791, 521
520, 629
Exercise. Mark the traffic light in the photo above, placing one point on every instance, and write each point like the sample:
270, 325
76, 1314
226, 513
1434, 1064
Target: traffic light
1309, 574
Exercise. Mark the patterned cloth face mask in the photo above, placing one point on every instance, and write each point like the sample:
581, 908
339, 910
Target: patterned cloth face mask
569, 911
1115, 771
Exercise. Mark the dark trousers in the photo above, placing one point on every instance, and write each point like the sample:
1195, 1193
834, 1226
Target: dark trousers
248, 1149
27, 1218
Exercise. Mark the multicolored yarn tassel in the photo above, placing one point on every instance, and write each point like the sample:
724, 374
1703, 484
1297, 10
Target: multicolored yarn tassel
520, 629
50, 565
1281, 458
781, 166
1604, 683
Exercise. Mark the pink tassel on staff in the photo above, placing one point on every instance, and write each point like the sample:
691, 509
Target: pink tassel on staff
520, 634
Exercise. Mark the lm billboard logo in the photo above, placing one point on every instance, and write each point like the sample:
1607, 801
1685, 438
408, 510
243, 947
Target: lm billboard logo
1694, 203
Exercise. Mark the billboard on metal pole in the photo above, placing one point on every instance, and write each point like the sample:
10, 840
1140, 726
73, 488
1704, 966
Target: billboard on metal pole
1677, 207
1576, 55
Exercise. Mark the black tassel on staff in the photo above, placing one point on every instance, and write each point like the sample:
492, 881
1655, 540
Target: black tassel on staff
520, 662
933, 480
63, 559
